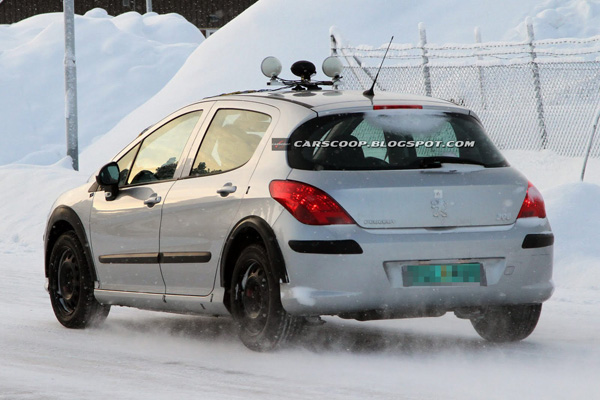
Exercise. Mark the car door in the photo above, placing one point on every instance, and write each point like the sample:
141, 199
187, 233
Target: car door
125, 230
201, 208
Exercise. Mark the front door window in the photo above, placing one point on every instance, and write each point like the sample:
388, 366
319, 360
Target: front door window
160, 152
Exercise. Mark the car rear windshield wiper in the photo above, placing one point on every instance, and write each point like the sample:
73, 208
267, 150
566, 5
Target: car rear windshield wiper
437, 161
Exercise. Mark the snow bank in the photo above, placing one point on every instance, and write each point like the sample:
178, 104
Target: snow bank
573, 209
122, 61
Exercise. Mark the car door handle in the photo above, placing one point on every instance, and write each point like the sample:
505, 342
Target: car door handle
227, 189
152, 200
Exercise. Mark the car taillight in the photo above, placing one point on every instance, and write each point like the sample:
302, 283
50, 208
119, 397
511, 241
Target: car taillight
308, 204
533, 205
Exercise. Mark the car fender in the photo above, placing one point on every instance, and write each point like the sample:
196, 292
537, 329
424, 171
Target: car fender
66, 215
268, 238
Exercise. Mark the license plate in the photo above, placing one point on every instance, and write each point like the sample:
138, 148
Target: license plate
442, 274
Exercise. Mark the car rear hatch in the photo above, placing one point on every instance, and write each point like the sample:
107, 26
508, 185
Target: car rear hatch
382, 184
455, 196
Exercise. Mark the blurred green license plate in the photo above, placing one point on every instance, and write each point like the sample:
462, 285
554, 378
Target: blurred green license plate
442, 274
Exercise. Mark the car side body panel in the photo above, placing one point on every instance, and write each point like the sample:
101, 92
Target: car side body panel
125, 238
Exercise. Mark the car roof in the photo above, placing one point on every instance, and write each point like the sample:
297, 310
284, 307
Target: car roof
321, 100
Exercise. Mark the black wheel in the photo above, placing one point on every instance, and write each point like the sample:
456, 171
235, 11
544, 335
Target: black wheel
507, 323
256, 304
70, 285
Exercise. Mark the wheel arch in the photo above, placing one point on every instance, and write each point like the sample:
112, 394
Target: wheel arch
247, 231
61, 220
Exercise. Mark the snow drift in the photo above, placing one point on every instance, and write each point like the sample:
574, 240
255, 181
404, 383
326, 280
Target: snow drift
122, 61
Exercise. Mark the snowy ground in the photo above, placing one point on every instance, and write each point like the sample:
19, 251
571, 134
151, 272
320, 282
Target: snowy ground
155, 355
141, 355
144, 355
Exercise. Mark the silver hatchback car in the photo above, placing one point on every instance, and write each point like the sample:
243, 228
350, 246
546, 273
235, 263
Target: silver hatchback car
280, 207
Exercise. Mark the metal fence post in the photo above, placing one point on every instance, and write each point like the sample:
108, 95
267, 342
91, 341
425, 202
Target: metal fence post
333, 44
424, 58
480, 71
71, 83
590, 142
340, 53
537, 86
148, 6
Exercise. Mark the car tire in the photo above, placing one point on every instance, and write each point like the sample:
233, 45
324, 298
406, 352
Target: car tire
71, 286
256, 303
507, 323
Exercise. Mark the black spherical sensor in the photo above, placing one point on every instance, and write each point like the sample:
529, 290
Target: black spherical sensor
304, 69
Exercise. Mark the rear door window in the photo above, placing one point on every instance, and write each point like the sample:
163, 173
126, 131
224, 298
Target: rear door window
230, 141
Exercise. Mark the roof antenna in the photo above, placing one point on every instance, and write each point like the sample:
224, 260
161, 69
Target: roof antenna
370, 93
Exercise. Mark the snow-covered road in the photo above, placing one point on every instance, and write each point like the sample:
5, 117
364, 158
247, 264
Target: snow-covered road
145, 355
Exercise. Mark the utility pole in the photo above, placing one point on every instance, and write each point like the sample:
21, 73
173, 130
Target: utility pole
71, 83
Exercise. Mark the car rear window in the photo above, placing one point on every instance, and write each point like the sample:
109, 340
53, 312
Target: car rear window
391, 139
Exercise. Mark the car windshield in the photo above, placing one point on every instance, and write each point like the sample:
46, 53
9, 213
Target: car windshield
391, 139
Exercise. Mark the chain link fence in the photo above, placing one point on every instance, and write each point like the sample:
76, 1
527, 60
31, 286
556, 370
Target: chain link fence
531, 95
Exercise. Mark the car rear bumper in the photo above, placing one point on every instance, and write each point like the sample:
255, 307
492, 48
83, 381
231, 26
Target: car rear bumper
326, 283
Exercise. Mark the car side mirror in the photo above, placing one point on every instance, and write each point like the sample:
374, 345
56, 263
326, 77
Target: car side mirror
108, 179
